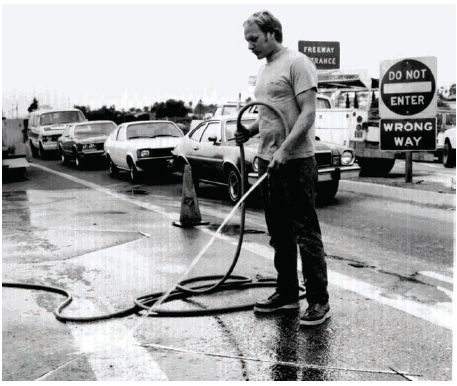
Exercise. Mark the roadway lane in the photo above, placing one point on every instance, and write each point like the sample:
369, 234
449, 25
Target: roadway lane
390, 264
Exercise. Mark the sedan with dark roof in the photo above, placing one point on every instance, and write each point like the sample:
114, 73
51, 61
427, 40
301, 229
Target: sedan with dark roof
83, 142
214, 157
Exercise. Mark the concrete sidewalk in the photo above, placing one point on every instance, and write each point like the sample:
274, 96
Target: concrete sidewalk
432, 184
425, 197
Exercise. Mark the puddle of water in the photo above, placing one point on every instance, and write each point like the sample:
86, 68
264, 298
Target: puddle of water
234, 229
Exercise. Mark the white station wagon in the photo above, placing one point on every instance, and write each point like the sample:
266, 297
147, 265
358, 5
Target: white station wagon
142, 146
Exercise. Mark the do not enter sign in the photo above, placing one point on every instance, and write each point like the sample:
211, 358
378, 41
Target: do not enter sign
408, 88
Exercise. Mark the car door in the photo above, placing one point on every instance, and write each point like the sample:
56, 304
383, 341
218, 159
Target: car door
114, 148
193, 146
211, 153
120, 147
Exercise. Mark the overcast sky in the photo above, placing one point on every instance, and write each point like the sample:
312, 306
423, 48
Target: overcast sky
136, 55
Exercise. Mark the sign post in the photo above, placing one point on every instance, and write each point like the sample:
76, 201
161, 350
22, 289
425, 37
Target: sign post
407, 107
325, 55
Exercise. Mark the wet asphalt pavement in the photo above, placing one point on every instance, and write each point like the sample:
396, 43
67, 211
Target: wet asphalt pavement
390, 281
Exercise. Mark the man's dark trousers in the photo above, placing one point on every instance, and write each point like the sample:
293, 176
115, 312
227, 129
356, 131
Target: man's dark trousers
289, 201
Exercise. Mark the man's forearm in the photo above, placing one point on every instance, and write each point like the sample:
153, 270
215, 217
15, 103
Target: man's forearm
302, 125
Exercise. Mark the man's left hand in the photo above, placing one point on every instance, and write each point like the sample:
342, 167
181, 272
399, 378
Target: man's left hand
280, 157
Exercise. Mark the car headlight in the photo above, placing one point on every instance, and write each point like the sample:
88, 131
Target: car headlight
255, 164
347, 157
143, 153
45, 139
88, 146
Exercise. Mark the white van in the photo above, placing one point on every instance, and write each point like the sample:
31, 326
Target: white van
46, 125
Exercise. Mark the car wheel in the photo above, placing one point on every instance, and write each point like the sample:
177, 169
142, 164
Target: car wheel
448, 155
234, 185
34, 150
113, 171
78, 161
326, 191
41, 152
134, 173
63, 159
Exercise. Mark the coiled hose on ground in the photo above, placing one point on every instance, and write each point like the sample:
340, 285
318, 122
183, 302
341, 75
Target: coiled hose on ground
180, 291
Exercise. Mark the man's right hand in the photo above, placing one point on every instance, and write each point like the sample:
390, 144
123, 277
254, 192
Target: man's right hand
242, 135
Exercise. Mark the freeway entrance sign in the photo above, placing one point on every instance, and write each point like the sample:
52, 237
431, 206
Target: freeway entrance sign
325, 55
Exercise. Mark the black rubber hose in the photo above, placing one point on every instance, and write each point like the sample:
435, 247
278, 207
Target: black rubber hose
224, 282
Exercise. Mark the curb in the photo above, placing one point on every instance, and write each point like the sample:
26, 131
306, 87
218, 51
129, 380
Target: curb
414, 195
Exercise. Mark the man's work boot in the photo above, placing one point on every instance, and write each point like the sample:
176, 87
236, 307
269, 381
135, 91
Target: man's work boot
315, 314
274, 303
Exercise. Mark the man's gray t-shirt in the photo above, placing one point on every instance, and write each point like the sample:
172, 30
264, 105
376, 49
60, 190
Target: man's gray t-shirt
278, 83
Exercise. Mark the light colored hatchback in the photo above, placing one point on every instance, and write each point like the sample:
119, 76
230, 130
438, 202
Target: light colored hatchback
141, 146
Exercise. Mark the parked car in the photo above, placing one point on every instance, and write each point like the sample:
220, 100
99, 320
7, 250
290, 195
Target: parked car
445, 120
449, 148
46, 125
141, 146
84, 141
212, 153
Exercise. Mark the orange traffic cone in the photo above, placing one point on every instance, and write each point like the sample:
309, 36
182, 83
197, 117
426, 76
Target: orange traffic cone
190, 213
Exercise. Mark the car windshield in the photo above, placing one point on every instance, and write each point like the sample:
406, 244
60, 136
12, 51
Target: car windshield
230, 128
60, 117
152, 130
229, 110
94, 129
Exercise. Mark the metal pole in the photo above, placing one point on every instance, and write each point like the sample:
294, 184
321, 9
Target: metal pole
409, 166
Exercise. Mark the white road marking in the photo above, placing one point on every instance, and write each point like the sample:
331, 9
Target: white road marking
446, 291
439, 314
437, 276
112, 351
101, 189
110, 348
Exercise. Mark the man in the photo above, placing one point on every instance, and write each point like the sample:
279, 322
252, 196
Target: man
288, 81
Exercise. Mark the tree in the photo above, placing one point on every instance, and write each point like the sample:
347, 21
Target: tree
200, 108
170, 108
84, 109
33, 106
